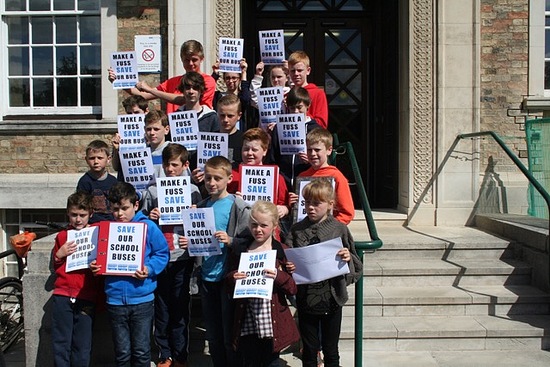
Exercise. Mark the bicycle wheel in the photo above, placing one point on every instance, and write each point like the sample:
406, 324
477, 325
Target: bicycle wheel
11, 311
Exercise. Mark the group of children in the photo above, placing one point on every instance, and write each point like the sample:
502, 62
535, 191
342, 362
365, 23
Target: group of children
244, 332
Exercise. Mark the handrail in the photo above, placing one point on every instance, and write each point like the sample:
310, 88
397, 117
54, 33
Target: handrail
360, 246
532, 180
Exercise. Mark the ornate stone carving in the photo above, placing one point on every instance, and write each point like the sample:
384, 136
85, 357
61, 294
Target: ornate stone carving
225, 25
423, 98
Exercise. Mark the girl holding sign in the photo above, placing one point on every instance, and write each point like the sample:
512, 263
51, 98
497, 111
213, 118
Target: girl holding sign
263, 327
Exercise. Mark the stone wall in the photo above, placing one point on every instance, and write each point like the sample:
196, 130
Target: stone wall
504, 76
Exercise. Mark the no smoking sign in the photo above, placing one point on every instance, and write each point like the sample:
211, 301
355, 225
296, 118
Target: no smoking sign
148, 53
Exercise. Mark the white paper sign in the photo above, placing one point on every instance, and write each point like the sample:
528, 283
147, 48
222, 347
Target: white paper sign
86, 248
125, 248
270, 104
230, 51
184, 128
211, 145
272, 47
131, 129
199, 228
174, 195
125, 68
318, 262
291, 130
255, 285
148, 53
137, 166
258, 183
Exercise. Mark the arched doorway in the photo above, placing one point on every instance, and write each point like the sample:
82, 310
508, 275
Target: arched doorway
352, 45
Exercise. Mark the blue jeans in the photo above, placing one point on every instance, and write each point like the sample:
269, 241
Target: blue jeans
218, 314
172, 301
131, 326
72, 323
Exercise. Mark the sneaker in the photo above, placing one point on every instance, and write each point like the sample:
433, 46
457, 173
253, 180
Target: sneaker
165, 362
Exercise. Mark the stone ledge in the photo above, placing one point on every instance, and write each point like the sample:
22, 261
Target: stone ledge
21, 127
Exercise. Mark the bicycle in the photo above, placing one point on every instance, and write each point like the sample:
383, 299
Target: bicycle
11, 305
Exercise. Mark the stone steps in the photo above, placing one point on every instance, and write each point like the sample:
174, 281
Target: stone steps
447, 289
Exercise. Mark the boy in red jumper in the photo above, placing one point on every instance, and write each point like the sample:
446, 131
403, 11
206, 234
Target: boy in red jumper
75, 293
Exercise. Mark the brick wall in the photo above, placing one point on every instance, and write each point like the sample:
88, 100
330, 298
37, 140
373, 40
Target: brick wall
504, 74
45, 153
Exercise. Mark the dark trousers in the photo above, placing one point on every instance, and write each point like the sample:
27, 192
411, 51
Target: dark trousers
323, 330
172, 302
131, 326
72, 322
218, 314
256, 352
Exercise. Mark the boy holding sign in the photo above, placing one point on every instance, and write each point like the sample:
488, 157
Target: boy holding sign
258, 338
231, 217
320, 304
75, 293
172, 300
130, 299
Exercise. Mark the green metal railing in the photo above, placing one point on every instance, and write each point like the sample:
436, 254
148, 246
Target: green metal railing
361, 246
532, 180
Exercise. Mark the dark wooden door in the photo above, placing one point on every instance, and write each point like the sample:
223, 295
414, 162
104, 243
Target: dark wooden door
341, 41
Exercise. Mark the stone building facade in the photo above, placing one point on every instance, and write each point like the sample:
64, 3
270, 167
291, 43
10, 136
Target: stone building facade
452, 67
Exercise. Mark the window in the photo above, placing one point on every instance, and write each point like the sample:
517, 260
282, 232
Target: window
21, 220
53, 50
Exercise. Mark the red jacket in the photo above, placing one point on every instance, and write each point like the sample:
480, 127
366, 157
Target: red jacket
318, 110
81, 284
284, 327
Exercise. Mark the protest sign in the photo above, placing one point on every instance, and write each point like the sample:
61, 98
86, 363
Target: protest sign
121, 247
270, 104
184, 128
199, 228
137, 166
256, 284
211, 145
318, 262
124, 65
86, 248
272, 47
131, 129
174, 195
291, 130
258, 183
299, 209
230, 51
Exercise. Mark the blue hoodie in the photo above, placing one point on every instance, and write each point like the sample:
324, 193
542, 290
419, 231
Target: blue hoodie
127, 290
